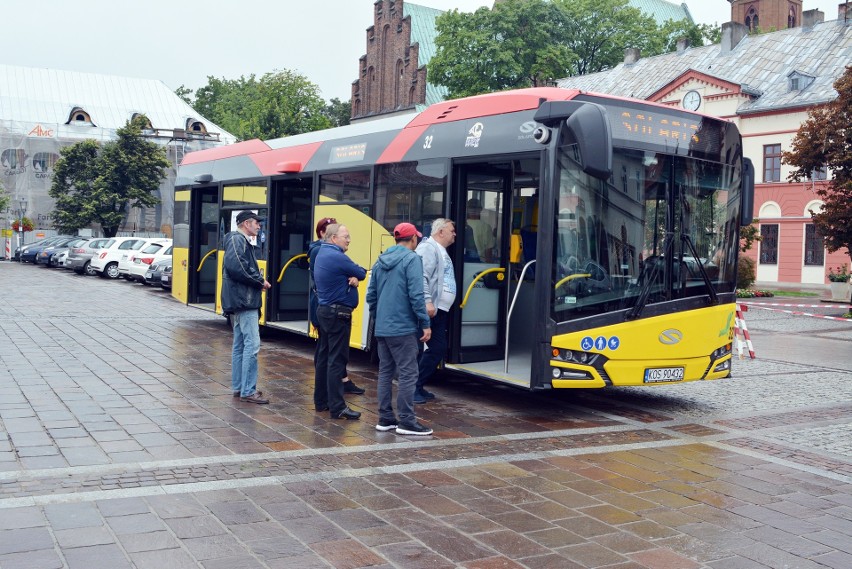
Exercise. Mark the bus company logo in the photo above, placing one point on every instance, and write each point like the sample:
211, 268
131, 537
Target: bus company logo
474, 136
41, 132
527, 129
670, 337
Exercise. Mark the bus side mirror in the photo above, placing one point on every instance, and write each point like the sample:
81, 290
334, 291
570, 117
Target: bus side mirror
747, 193
587, 126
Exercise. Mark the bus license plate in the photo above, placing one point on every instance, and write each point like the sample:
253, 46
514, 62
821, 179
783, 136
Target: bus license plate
663, 374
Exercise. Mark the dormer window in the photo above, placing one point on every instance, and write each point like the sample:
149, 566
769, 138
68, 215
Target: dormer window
79, 117
147, 125
797, 81
196, 127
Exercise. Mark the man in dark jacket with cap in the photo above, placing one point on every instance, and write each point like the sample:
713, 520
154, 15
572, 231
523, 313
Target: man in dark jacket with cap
242, 285
395, 297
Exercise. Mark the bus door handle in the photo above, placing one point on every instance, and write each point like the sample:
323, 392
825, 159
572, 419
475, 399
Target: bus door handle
571, 277
288, 263
509, 316
501, 274
204, 258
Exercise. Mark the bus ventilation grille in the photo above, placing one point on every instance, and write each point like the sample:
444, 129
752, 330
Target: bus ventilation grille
448, 112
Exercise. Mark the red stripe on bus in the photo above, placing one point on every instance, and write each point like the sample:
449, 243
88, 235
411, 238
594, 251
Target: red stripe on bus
227, 151
490, 104
267, 162
400, 145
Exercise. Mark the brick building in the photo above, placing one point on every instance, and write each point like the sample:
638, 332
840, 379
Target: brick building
767, 15
401, 41
766, 84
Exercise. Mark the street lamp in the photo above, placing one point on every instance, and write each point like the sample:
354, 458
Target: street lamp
23, 203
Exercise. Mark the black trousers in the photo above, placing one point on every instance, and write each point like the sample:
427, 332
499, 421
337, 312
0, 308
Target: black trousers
335, 324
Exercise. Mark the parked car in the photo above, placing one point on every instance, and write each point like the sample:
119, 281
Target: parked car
47, 254
17, 255
154, 274
147, 252
166, 277
105, 263
29, 253
79, 258
146, 258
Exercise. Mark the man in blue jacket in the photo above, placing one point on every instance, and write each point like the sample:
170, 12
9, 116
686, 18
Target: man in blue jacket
242, 285
336, 278
395, 297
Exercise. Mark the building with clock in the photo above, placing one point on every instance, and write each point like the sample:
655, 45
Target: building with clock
765, 83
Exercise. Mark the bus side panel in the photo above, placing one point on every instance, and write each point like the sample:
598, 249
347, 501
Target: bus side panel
180, 276
680, 340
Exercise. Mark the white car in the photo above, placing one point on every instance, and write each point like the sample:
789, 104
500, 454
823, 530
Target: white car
126, 261
147, 258
105, 263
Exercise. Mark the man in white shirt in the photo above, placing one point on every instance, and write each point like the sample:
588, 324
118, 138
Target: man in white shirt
439, 290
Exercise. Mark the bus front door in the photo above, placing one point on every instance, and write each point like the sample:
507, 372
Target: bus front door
291, 232
204, 244
496, 206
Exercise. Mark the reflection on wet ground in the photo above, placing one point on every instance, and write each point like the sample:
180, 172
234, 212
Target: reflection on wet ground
121, 445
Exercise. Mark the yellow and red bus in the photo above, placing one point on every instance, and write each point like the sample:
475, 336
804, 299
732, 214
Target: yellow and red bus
597, 236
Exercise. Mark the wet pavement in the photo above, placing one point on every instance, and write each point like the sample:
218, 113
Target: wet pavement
122, 446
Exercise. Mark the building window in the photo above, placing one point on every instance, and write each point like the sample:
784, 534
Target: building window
791, 17
814, 246
820, 173
79, 117
751, 20
772, 163
769, 244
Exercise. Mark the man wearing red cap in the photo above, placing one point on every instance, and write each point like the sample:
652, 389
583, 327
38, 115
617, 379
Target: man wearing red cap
395, 298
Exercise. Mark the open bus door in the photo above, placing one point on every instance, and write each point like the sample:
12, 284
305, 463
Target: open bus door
203, 247
290, 231
496, 324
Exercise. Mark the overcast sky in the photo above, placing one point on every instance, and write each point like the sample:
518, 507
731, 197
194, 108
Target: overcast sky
184, 41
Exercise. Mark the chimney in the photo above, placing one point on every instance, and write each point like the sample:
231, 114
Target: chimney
732, 35
631, 55
843, 12
682, 45
812, 17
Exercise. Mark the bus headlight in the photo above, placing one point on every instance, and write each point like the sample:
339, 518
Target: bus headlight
573, 356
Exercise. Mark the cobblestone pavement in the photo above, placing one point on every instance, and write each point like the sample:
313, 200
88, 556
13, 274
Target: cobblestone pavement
121, 446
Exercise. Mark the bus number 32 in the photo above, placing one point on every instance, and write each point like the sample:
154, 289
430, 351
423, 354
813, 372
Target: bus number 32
427, 142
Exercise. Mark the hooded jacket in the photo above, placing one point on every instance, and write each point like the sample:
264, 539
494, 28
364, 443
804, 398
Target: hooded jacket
242, 283
395, 294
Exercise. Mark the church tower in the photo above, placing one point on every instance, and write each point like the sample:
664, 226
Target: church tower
767, 15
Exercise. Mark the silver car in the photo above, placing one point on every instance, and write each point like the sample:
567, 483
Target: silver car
79, 257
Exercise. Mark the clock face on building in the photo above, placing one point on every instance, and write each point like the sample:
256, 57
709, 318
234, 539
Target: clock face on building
691, 101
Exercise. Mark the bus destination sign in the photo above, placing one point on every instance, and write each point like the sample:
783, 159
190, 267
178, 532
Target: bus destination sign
347, 153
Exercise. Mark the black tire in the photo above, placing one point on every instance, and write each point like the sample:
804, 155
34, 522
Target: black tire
111, 271
88, 270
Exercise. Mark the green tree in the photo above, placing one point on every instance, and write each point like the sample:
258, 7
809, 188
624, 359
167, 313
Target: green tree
825, 140
4, 198
515, 44
184, 93
528, 43
338, 112
665, 40
282, 103
95, 184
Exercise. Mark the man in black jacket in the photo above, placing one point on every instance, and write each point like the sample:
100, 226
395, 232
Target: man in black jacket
242, 285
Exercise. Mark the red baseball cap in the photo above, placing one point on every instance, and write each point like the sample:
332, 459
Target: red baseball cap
405, 231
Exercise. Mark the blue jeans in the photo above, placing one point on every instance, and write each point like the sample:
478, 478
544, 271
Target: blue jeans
244, 354
437, 351
397, 356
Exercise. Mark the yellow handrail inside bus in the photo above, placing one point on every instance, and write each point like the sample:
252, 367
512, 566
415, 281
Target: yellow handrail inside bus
478, 277
570, 277
204, 258
287, 264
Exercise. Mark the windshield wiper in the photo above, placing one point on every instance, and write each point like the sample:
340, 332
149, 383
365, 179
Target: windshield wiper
711, 290
642, 299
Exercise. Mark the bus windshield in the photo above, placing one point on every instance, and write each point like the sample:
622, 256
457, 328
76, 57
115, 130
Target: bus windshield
662, 228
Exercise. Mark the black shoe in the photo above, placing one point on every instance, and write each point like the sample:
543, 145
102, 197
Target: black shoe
387, 425
259, 393
347, 413
350, 387
426, 394
413, 429
321, 408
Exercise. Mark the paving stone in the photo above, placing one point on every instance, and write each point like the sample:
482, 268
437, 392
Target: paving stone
151, 541
83, 537
414, 556
38, 559
281, 546
234, 513
200, 526
135, 524
19, 518
67, 516
27, 539
176, 506
171, 558
212, 547
97, 557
